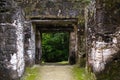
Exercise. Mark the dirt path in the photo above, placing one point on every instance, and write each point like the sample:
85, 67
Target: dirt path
56, 72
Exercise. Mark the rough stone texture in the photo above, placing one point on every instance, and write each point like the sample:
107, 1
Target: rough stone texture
55, 9
29, 44
81, 52
11, 41
72, 48
12, 33
38, 54
52, 8
103, 38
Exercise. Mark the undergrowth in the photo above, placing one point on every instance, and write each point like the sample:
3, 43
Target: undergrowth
82, 74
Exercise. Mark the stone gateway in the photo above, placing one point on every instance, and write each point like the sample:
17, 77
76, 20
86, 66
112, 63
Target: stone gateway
94, 34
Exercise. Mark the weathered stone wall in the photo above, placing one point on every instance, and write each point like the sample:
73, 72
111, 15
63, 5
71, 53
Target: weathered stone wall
81, 46
29, 43
38, 54
72, 47
11, 41
103, 38
57, 9
52, 8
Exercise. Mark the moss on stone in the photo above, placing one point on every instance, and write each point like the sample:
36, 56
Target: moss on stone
31, 73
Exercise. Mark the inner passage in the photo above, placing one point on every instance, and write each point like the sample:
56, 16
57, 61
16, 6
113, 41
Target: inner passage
55, 47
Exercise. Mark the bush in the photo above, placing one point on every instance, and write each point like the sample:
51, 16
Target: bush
55, 47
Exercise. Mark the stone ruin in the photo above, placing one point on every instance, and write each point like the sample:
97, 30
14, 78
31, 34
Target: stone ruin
103, 38
97, 43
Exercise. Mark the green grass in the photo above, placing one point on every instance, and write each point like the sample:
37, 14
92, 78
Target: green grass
63, 62
32, 73
82, 74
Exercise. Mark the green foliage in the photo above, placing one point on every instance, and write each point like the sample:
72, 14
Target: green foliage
55, 47
82, 74
32, 73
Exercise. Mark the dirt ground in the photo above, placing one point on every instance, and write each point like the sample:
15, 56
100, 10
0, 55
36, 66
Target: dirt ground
56, 72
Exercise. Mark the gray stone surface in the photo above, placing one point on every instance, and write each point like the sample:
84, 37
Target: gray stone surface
103, 39
51, 8
38, 55
11, 44
72, 48
29, 44
102, 35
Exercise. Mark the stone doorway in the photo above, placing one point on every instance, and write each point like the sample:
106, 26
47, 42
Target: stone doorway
56, 25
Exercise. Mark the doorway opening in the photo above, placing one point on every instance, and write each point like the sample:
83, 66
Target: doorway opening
56, 28
55, 46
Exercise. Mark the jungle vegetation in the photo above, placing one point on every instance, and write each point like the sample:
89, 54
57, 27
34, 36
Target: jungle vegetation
55, 47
